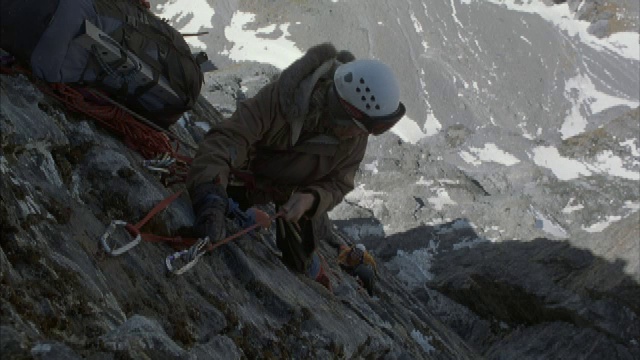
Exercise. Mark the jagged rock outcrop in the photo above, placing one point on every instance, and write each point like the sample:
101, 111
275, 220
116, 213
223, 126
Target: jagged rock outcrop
545, 293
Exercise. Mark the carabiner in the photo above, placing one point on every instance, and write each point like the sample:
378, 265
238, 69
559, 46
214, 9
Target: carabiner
192, 255
160, 164
123, 249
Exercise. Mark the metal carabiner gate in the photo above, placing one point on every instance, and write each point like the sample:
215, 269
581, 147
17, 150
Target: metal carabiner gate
124, 248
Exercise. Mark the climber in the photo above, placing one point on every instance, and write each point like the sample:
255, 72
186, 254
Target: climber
357, 261
298, 144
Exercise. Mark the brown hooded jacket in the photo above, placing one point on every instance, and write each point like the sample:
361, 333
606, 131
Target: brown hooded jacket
280, 136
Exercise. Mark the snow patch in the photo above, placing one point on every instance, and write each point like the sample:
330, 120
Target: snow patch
549, 226
408, 130
568, 209
563, 168
611, 164
599, 226
416, 23
489, 153
432, 125
198, 12
373, 167
569, 169
586, 100
441, 199
633, 206
633, 147
252, 45
625, 44
422, 181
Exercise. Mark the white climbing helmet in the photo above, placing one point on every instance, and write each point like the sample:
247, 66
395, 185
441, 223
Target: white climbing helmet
361, 247
370, 94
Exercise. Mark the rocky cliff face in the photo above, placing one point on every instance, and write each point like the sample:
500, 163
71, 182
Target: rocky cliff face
441, 215
64, 179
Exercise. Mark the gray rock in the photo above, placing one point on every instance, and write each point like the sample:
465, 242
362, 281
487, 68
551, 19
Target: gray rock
12, 342
529, 284
599, 28
53, 351
219, 347
142, 337
563, 341
24, 123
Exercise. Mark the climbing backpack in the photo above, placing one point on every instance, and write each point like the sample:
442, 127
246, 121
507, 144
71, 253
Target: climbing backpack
116, 46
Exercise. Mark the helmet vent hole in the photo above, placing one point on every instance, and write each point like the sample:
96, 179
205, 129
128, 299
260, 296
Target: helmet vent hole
368, 106
348, 78
364, 98
358, 90
377, 107
361, 81
373, 98
367, 90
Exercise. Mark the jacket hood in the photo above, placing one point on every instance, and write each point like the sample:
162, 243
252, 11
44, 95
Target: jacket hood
296, 83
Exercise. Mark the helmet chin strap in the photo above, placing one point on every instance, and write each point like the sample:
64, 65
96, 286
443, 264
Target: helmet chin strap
338, 114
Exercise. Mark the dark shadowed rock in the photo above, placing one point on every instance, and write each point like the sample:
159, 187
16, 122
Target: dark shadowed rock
140, 337
548, 295
53, 351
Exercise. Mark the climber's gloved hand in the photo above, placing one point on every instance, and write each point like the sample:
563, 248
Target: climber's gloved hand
210, 203
298, 204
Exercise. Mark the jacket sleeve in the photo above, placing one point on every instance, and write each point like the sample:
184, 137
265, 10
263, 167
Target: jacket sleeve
334, 187
227, 144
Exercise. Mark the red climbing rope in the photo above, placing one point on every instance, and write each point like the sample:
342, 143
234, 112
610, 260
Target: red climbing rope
138, 136
147, 139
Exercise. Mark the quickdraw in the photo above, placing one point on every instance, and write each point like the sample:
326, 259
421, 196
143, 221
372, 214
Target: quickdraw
193, 249
202, 246
190, 255
134, 231
122, 249
160, 164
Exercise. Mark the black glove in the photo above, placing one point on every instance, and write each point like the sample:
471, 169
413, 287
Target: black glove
210, 204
